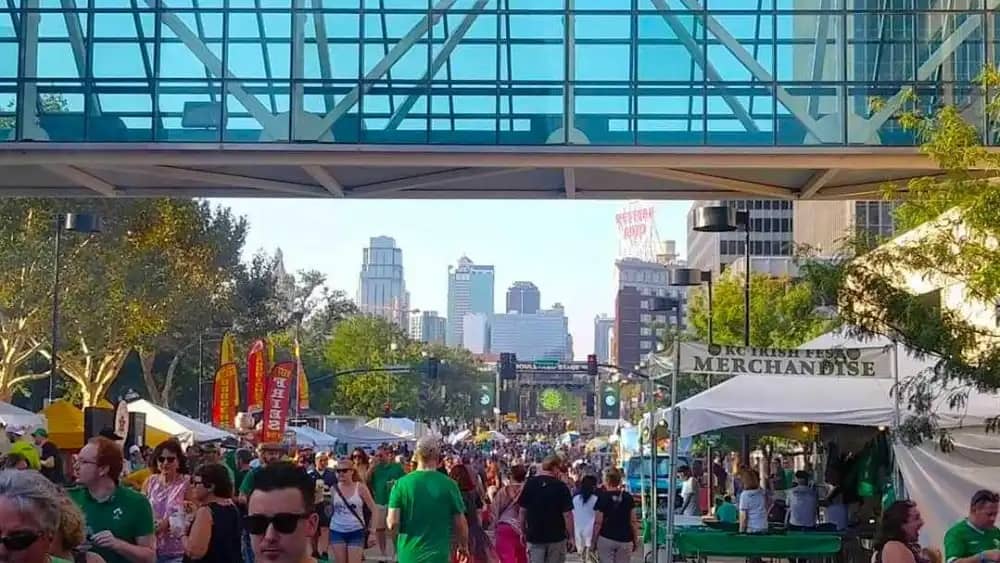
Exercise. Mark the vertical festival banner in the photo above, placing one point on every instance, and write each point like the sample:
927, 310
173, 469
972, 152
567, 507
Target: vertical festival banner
256, 376
227, 355
226, 400
276, 401
302, 385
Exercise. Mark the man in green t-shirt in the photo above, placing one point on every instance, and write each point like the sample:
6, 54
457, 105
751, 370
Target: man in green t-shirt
119, 520
426, 511
381, 479
268, 454
975, 539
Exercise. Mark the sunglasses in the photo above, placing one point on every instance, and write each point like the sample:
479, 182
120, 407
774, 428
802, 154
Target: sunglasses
284, 523
19, 541
166, 459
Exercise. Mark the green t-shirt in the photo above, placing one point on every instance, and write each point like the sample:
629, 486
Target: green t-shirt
127, 514
246, 487
965, 540
428, 502
382, 476
727, 513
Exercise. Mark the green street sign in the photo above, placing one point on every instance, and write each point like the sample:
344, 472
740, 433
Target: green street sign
713, 440
546, 363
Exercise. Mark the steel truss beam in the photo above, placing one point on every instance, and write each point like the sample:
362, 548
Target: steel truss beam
709, 181
816, 182
84, 179
234, 180
433, 179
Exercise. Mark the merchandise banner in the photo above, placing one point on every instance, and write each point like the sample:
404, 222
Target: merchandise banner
256, 376
277, 397
302, 386
226, 397
739, 360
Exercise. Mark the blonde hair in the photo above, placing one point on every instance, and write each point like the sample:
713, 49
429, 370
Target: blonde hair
71, 531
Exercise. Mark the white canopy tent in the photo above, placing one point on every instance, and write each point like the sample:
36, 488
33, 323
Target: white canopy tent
402, 427
186, 430
361, 436
16, 418
857, 401
308, 436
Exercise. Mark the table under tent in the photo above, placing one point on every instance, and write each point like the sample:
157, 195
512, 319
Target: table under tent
849, 414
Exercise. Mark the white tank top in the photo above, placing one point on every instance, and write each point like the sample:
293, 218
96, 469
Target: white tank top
341, 518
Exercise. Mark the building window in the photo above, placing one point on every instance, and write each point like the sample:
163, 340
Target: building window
645, 318
645, 345
644, 304
645, 331
661, 318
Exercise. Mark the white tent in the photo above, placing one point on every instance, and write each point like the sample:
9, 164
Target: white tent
361, 436
186, 430
402, 427
308, 436
762, 399
16, 418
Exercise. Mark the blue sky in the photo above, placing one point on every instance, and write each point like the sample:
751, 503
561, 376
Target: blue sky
567, 248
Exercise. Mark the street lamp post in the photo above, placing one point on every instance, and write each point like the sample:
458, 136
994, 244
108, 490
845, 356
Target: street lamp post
77, 223
724, 219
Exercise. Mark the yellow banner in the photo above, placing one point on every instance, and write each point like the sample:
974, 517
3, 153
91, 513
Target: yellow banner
303, 381
226, 397
227, 355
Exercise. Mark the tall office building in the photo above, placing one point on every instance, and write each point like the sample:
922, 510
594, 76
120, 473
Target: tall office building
824, 225
771, 243
476, 329
638, 329
603, 327
536, 336
523, 297
381, 289
427, 326
470, 290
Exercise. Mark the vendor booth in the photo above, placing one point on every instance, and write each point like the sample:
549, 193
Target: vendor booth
66, 426
186, 430
361, 436
850, 412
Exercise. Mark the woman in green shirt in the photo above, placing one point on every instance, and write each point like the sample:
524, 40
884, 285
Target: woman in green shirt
29, 517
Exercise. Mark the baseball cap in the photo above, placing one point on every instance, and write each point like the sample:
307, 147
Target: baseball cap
41, 433
109, 433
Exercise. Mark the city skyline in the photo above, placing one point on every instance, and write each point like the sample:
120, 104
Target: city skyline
567, 249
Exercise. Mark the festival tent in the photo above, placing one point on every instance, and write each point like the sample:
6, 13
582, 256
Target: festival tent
16, 418
402, 427
459, 436
186, 430
308, 436
66, 426
360, 436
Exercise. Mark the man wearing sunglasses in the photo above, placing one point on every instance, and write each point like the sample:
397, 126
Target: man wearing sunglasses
119, 520
281, 518
975, 539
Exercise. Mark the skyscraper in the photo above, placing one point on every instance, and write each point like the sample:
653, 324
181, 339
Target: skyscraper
823, 226
603, 326
381, 288
637, 328
536, 336
523, 297
427, 326
771, 246
470, 290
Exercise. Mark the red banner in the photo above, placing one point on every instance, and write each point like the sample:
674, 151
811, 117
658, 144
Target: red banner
226, 398
256, 376
276, 400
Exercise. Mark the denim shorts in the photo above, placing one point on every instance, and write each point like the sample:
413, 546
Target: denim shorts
350, 539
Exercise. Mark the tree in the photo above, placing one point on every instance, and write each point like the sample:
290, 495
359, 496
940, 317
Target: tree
372, 342
953, 218
454, 396
783, 312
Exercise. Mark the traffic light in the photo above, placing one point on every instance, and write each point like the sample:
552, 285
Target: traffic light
591, 398
592, 364
610, 402
508, 366
432, 368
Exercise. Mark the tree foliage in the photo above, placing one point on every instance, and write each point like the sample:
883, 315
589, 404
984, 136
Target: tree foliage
783, 312
953, 216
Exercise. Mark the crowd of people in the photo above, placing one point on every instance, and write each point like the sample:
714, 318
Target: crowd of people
438, 503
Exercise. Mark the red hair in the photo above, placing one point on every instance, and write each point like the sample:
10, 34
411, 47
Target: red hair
109, 455
462, 476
